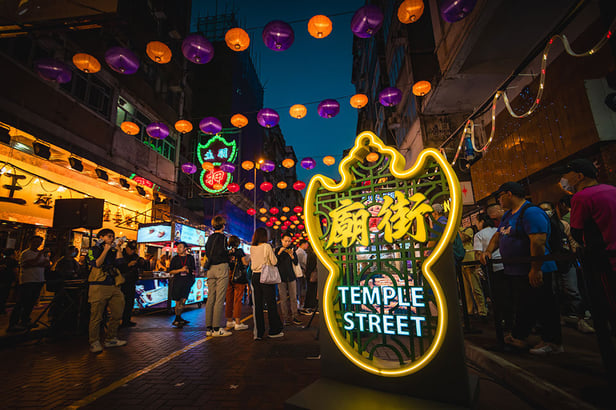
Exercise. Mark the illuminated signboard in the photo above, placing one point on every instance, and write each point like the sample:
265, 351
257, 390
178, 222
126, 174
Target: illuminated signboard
383, 303
142, 181
216, 151
154, 233
188, 234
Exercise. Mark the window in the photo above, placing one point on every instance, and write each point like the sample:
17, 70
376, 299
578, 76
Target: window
91, 92
395, 66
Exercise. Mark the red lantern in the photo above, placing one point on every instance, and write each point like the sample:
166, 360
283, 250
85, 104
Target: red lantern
299, 185
233, 187
283, 227
269, 224
251, 211
287, 222
274, 211
266, 186
300, 226
298, 209
293, 218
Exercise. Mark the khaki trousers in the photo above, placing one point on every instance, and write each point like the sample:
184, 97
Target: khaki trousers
217, 282
101, 296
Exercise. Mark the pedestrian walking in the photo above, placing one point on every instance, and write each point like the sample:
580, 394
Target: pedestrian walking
235, 291
217, 278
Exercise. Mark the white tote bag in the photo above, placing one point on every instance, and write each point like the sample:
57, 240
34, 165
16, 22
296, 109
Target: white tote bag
270, 275
298, 270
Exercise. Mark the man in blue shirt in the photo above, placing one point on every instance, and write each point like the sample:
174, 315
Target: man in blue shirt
524, 232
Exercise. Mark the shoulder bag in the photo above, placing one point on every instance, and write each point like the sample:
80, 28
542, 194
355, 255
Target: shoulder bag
269, 273
298, 270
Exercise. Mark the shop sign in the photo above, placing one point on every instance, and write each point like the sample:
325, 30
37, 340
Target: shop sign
217, 150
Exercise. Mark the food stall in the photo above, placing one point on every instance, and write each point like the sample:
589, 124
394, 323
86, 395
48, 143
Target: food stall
195, 239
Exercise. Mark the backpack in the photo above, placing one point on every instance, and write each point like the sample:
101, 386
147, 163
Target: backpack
458, 249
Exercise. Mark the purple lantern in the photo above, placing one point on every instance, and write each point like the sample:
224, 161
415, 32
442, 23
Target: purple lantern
227, 167
122, 60
197, 49
328, 108
268, 166
308, 163
189, 168
54, 70
268, 118
456, 10
157, 130
210, 125
278, 35
366, 21
390, 96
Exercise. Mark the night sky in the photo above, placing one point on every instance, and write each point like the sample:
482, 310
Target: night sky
310, 71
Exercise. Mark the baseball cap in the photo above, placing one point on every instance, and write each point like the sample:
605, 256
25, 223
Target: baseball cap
513, 187
438, 208
581, 165
132, 244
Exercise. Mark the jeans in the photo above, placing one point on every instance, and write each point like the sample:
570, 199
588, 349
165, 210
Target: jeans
217, 282
101, 296
568, 284
26, 299
264, 293
233, 303
288, 290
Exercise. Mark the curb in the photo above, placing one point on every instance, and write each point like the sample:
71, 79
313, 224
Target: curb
532, 388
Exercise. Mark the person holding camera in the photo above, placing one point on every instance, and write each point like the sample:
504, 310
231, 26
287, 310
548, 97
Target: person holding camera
105, 280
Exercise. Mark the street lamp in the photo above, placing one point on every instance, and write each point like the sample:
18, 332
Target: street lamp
254, 217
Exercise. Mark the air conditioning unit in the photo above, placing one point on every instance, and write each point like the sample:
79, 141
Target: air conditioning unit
393, 122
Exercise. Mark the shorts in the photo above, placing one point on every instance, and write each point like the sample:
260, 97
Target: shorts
180, 287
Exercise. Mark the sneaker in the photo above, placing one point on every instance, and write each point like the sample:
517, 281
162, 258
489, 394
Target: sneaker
208, 332
297, 322
96, 347
221, 333
281, 334
115, 342
230, 324
177, 323
545, 348
584, 327
257, 338
307, 312
240, 326
512, 341
184, 321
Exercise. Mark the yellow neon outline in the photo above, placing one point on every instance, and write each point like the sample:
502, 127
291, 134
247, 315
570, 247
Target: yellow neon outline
363, 142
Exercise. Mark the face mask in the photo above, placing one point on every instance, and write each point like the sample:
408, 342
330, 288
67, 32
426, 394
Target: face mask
566, 185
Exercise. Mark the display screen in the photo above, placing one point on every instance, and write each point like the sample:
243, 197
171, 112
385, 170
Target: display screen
188, 234
154, 233
198, 292
151, 293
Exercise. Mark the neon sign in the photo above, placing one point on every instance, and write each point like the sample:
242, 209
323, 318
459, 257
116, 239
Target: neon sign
216, 151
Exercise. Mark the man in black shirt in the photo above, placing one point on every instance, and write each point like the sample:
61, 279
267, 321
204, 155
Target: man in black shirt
131, 269
182, 267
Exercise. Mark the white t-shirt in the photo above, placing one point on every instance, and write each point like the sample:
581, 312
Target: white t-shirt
481, 242
260, 255
33, 273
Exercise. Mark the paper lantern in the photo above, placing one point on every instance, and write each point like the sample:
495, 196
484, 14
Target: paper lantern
288, 163
208, 166
268, 165
299, 185
263, 211
372, 157
366, 21
300, 226
122, 60
283, 218
410, 11
189, 168
286, 223
269, 224
54, 70
278, 35
183, 126
359, 101
456, 10
285, 209
268, 118
237, 39
239, 121
263, 219
157, 130
329, 160
86, 63
421, 88
308, 163
130, 128
251, 211
281, 185
274, 211
210, 125
390, 96
275, 226
233, 187
319, 26
227, 167
298, 209
197, 49
158, 52
298, 111
249, 186
266, 186
217, 186
292, 226
293, 218
248, 165
273, 219
328, 108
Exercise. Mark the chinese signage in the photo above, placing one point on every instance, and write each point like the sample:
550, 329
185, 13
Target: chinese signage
216, 151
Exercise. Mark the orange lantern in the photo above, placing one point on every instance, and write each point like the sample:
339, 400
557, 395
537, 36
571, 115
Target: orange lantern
262, 210
278, 223
248, 165
359, 100
183, 126
283, 218
281, 185
410, 11
329, 160
208, 166
319, 26
130, 128
217, 187
239, 121
298, 111
275, 226
86, 63
159, 52
372, 157
286, 209
288, 163
237, 39
292, 226
249, 186
421, 88
263, 219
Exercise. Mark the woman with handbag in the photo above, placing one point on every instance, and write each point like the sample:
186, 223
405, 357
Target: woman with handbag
263, 264
287, 263
237, 284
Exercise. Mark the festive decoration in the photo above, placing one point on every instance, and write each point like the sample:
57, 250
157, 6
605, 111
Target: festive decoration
122, 60
233, 187
207, 166
158, 52
263, 211
410, 11
53, 70
298, 209
293, 218
268, 118
237, 39
329, 160
86, 63
421, 88
251, 211
366, 21
189, 168
239, 121
210, 125
197, 49
281, 185
275, 226
263, 219
266, 186
300, 226
129, 128
183, 126
298, 111
308, 163
285, 209
299, 185
328, 108
268, 166
218, 151
278, 35
227, 167
283, 218
157, 130
359, 101
390, 96
456, 10
284, 227
274, 211
269, 224
288, 163
249, 186
248, 165
319, 26
372, 157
